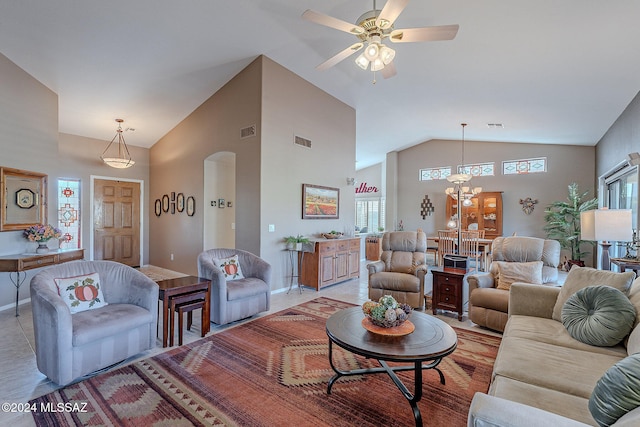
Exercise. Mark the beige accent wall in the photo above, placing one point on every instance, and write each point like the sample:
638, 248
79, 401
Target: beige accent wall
177, 165
565, 164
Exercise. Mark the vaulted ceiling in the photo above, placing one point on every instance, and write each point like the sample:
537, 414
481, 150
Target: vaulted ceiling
552, 72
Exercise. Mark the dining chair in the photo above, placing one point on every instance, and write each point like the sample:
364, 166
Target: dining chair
470, 246
446, 244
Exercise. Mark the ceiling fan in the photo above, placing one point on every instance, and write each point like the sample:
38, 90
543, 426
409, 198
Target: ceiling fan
372, 28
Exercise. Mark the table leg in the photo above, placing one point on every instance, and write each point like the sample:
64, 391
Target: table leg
206, 313
19, 280
165, 319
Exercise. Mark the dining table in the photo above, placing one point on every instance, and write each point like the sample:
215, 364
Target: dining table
483, 243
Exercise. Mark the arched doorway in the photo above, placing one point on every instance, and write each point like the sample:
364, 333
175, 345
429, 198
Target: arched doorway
220, 195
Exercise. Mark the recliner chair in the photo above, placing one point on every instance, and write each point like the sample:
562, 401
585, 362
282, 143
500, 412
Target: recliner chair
488, 305
401, 269
233, 300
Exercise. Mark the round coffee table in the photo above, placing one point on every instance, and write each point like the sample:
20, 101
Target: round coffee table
430, 342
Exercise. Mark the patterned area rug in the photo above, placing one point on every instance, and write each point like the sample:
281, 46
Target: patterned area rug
271, 372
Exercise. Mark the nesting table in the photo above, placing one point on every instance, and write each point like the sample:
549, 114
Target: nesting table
430, 342
183, 288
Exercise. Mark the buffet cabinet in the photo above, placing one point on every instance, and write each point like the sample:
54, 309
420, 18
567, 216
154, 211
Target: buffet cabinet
485, 213
332, 261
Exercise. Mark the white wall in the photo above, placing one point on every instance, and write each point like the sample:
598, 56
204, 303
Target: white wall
219, 182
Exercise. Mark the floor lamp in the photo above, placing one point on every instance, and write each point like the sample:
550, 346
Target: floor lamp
606, 225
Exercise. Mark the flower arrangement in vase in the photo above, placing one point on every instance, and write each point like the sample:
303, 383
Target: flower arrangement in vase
41, 234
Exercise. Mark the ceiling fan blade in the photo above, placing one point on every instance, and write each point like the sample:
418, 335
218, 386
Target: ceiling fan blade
329, 21
390, 12
389, 70
340, 56
427, 34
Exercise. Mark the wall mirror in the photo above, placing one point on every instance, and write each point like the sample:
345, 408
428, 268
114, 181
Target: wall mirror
24, 199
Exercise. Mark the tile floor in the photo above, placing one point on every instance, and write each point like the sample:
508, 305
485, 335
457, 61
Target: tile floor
21, 381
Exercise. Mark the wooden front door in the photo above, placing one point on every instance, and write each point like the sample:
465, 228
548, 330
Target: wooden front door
116, 216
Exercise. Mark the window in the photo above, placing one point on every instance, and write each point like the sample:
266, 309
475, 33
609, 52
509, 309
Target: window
370, 214
431, 174
478, 169
69, 212
524, 166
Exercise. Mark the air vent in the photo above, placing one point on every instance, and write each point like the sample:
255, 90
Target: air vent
495, 125
303, 142
248, 132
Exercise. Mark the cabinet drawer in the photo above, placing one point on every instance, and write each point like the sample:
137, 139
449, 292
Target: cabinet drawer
70, 256
448, 289
38, 262
343, 245
447, 280
327, 247
354, 244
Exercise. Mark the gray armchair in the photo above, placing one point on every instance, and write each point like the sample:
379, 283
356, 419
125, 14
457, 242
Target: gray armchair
241, 298
401, 269
71, 346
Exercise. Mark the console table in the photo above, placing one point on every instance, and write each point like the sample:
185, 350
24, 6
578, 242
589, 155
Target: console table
18, 264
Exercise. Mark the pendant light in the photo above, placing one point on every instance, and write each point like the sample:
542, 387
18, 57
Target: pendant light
120, 159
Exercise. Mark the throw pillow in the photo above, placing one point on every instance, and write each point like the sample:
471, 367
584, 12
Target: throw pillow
510, 272
581, 277
81, 293
230, 267
598, 315
616, 392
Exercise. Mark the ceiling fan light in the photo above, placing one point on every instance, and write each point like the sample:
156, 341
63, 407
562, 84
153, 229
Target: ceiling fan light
387, 54
362, 61
377, 64
372, 51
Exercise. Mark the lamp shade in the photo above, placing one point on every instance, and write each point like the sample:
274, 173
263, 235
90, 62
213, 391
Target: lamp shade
606, 225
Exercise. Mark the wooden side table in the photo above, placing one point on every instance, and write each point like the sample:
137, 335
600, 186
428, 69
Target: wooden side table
448, 290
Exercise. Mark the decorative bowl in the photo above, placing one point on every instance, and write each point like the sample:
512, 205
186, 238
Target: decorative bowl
332, 235
387, 312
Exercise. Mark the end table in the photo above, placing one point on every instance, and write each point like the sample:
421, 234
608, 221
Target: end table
448, 289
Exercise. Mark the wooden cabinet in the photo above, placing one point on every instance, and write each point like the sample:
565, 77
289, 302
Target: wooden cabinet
448, 290
485, 210
332, 261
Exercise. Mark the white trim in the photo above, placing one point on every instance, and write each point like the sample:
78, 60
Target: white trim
92, 179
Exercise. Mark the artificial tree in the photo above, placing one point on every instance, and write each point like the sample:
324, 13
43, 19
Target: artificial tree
563, 221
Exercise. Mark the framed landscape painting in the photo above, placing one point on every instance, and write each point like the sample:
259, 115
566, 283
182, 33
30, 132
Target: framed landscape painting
320, 202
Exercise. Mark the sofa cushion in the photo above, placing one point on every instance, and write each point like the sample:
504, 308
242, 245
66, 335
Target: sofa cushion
246, 288
581, 277
551, 366
598, 315
551, 332
617, 392
564, 404
492, 298
510, 272
230, 267
81, 293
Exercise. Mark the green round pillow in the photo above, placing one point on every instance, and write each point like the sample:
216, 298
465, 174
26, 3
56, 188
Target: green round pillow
598, 315
617, 392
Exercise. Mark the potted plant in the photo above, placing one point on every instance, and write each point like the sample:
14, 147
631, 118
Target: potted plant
563, 222
294, 243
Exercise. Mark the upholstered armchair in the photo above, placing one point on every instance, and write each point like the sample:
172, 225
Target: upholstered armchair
69, 346
235, 296
514, 259
401, 269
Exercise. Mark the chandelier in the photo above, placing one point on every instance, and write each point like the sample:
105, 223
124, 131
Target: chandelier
462, 188
122, 158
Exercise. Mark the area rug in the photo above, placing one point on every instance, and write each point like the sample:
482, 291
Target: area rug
272, 371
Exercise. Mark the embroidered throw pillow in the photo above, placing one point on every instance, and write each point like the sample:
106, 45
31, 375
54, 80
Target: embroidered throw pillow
230, 267
81, 293
510, 272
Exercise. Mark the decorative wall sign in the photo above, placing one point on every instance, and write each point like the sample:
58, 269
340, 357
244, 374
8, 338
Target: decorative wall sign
221, 203
158, 207
320, 202
528, 205
229, 204
180, 202
191, 206
426, 207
